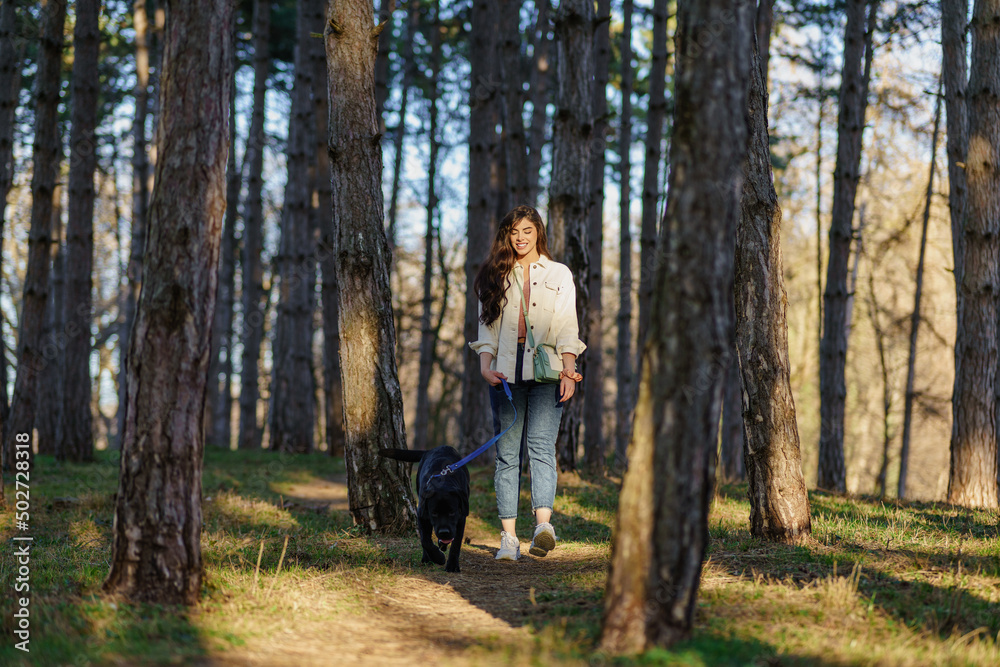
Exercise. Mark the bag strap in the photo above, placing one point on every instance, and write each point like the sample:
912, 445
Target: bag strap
524, 308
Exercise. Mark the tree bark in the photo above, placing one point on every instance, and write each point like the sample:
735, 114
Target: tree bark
140, 198
538, 83
332, 385
292, 405
156, 555
833, 350
570, 188
253, 232
32, 358
593, 395
77, 444
49, 419
477, 424
764, 26
651, 176
378, 489
852, 282
502, 201
11, 55
512, 102
955, 74
219, 402
428, 335
779, 505
973, 477
385, 10
904, 452
663, 528
624, 371
731, 464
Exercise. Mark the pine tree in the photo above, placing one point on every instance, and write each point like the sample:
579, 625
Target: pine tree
156, 554
78, 441
31, 359
379, 489
662, 528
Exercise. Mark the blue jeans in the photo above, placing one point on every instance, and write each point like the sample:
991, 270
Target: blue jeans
538, 414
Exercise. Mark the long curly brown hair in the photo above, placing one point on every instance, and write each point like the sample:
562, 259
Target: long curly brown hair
493, 278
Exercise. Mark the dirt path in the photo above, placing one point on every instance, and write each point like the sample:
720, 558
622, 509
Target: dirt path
481, 615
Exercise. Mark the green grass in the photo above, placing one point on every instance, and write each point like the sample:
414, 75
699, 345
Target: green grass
879, 583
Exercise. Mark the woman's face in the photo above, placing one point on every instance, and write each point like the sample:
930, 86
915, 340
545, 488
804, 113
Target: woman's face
524, 238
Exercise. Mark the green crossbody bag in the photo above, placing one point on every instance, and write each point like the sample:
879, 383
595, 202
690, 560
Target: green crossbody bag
545, 360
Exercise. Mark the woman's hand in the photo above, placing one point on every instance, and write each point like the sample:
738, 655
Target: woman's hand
568, 377
567, 387
493, 377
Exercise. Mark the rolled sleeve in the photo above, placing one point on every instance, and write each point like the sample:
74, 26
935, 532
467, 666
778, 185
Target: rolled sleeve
565, 325
489, 336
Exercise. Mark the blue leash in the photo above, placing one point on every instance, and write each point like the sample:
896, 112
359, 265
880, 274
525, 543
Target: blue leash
447, 470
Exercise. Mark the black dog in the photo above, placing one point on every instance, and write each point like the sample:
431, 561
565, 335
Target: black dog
442, 501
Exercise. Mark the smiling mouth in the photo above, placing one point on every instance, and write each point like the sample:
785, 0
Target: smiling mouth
446, 541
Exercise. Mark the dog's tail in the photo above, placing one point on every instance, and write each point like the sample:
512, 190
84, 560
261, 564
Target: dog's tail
409, 455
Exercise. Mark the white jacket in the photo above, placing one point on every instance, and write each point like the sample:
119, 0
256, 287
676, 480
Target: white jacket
552, 314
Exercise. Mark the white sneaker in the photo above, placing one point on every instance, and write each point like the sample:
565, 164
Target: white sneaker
544, 541
510, 547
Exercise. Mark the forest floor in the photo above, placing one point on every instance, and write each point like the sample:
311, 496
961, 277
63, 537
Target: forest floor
879, 583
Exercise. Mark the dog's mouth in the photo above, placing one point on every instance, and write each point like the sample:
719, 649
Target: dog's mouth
445, 541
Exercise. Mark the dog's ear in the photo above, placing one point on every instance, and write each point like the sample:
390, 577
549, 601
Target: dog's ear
463, 502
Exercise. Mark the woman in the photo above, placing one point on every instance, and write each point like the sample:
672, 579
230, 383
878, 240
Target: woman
519, 257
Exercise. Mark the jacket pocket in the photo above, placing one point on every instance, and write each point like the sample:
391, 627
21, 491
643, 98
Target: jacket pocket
547, 296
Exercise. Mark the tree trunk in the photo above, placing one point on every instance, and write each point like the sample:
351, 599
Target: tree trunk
253, 232
538, 83
512, 102
819, 223
880, 349
593, 382
955, 75
852, 281
973, 478
140, 199
77, 443
764, 27
779, 505
663, 527
904, 452
732, 457
385, 10
732, 467
49, 421
378, 488
477, 424
409, 67
503, 201
333, 387
292, 405
11, 54
31, 357
651, 176
219, 403
156, 556
428, 335
570, 188
833, 350
624, 371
